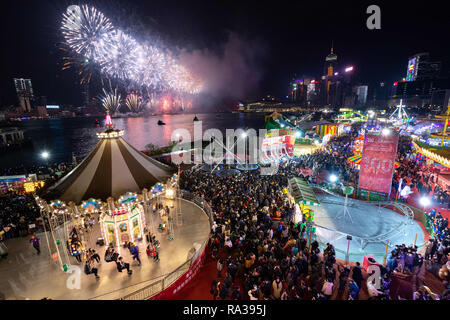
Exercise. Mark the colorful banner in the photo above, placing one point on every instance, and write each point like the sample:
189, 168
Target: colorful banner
377, 164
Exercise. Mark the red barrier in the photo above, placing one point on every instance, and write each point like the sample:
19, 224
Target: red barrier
174, 288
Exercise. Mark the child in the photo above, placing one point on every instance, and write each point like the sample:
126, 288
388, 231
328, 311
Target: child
150, 250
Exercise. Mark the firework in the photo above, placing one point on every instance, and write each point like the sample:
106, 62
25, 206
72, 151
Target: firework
85, 30
90, 34
121, 60
110, 100
134, 102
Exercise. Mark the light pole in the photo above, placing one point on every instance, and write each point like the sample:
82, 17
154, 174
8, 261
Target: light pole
349, 238
346, 191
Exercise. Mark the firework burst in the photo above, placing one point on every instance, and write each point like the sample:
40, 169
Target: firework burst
85, 30
92, 36
134, 102
110, 100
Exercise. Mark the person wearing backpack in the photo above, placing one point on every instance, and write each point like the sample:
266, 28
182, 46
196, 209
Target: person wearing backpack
110, 254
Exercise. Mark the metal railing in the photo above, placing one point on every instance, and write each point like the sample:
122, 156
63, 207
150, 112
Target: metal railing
160, 285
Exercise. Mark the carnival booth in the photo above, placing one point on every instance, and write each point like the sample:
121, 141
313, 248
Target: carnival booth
304, 197
327, 129
350, 115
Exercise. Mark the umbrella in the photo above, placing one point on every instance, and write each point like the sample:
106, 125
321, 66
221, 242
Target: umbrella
356, 159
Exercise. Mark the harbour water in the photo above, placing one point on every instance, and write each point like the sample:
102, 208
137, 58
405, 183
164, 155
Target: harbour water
66, 136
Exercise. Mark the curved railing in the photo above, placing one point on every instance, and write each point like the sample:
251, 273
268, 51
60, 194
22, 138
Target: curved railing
166, 281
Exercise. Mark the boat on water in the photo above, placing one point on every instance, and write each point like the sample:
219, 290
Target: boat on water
160, 123
195, 118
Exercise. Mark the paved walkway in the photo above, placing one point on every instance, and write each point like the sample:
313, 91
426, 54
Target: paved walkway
368, 221
24, 273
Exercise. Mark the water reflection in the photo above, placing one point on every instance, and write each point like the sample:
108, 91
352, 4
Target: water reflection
62, 137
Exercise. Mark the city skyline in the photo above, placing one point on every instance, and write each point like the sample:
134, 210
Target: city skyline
293, 42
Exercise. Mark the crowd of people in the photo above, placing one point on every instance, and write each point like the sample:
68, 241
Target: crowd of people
50, 169
272, 259
415, 173
17, 212
257, 245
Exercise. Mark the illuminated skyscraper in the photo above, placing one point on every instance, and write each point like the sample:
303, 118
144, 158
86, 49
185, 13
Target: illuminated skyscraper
24, 93
421, 67
330, 66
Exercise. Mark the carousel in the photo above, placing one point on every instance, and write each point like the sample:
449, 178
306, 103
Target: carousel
109, 187
123, 221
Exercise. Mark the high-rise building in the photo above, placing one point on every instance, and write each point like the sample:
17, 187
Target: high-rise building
313, 93
342, 90
298, 91
361, 93
422, 67
24, 93
330, 66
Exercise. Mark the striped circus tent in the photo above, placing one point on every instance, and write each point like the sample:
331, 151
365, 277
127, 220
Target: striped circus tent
113, 168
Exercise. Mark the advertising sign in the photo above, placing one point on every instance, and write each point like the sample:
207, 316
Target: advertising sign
377, 164
410, 75
282, 145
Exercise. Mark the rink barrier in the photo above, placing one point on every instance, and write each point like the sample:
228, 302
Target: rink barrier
164, 288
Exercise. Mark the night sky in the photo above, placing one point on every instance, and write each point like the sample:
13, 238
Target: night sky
289, 37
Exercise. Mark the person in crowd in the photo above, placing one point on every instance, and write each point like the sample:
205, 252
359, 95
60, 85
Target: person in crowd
121, 265
353, 290
35, 242
214, 290
357, 275
111, 254
93, 255
90, 269
134, 250
219, 268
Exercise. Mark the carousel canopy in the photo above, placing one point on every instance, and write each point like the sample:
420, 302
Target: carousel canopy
113, 168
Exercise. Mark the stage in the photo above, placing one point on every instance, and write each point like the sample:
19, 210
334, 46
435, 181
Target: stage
372, 226
25, 274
